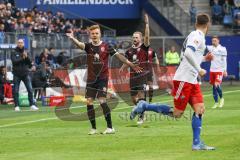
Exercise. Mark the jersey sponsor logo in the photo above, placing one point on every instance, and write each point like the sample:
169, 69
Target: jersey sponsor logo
96, 57
104, 89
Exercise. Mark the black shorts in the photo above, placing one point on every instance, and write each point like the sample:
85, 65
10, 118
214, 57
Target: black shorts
137, 84
150, 77
97, 89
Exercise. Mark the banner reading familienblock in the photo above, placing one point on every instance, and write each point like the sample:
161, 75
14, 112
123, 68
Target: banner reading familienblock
93, 9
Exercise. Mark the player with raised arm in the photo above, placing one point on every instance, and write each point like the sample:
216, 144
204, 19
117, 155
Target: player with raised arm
218, 69
138, 54
186, 88
98, 53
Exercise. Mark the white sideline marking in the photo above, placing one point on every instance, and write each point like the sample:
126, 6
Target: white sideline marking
27, 122
54, 118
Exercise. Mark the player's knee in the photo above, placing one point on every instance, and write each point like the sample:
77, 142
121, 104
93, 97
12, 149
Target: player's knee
102, 100
200, 109
216, 84
134, 100
177, 113
140, 95
89, 101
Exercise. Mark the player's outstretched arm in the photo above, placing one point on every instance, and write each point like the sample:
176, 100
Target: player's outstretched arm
128, 63
81, 45
147, 32
123, 68
189, 53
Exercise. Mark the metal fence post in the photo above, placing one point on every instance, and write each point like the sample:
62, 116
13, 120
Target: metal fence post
164, 51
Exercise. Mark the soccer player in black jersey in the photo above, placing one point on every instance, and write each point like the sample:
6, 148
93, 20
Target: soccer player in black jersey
98, 53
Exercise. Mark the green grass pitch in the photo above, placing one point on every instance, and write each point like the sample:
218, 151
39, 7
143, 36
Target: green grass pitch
41, 136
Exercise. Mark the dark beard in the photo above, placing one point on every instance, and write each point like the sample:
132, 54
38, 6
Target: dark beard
21, 50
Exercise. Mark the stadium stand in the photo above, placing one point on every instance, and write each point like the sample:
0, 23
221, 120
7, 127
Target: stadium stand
178, 14
35, 21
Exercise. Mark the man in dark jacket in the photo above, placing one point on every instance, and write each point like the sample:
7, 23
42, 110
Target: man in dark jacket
21, 67
2, 81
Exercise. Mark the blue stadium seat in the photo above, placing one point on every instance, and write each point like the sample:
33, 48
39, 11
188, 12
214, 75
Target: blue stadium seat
235, 11
227, 20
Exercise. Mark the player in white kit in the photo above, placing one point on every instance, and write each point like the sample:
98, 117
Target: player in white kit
186, 87
218, 69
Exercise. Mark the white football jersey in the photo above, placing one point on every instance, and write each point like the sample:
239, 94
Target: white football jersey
219, 62
186, 72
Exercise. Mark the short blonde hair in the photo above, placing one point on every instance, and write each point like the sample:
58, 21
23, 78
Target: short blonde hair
93, 27
138, 32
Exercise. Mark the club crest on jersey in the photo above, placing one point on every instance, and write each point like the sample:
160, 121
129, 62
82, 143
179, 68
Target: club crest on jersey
196, 42
102, 49
182, 97
138, 49
134, 57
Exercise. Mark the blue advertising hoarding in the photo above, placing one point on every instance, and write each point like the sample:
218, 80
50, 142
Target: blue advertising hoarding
93, 9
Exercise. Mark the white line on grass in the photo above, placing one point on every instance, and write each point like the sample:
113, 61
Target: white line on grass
27, 122
54, 118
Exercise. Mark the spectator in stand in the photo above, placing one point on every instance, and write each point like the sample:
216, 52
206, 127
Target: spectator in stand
237, 3
2, 82
172, 57
227, 8
51, 58
61, 58
39, 79
44, 55
237, 22
2, 27
217, 13
5, 87
33, 21
12, 2
70, 64
193, 12
220, 2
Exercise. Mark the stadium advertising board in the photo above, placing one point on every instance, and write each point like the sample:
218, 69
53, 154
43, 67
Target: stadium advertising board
93, 9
